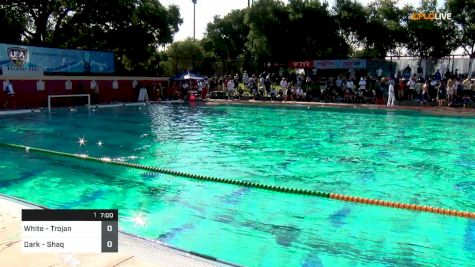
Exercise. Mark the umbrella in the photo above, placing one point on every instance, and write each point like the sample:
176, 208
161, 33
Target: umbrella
187, 75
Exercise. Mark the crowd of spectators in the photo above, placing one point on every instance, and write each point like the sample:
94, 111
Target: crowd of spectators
447, 89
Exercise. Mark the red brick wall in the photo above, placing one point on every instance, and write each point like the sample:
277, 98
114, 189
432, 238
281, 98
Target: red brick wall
27, 95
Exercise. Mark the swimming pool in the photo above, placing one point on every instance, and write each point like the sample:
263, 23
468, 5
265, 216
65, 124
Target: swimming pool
400, 156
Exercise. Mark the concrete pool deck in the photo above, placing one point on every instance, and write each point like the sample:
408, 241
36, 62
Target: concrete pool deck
424, 108
133, 251
435, 110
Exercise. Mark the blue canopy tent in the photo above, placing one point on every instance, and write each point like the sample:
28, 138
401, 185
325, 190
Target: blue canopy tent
187, 75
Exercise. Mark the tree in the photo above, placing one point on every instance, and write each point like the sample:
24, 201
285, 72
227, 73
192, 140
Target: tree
313, 32
268, 22
301, 30
13, 25
133, 29
351, 17
225, 37
463, 14
430, 38
183, 55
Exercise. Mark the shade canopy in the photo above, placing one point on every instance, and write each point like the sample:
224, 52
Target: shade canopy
187, 75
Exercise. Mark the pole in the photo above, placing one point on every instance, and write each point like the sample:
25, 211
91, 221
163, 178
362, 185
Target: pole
194, 19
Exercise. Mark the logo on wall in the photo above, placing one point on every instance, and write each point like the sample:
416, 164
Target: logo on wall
17, 55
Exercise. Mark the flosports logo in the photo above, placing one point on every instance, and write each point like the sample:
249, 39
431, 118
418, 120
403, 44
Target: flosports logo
17, 55
430, 16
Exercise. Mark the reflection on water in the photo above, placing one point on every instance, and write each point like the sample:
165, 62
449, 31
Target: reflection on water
399, 156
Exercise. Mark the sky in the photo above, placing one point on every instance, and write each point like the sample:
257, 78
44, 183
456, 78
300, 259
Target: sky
207, 9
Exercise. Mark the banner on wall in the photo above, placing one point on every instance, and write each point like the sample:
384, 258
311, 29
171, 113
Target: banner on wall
340, 64
22, 71
306, 64
18, 60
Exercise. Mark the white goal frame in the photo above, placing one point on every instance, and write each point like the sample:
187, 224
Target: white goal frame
78, 95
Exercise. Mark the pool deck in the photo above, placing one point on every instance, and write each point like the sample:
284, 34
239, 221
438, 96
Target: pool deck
133, 251
425, 108
435, 110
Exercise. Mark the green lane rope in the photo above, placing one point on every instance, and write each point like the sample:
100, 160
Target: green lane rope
346, 198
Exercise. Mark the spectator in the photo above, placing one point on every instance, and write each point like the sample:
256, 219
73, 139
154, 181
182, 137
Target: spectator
253, 86
418, 89
9, 96
339, 85
379, 74
441, 94
200, 88
401, 89
437, 75
450, 92
236, 81
425, 93
230, 90
391, 93
262, 87
349, 88
245, 79
420, 71
268, 84
283, 86
411, 86
351, 75
466, 84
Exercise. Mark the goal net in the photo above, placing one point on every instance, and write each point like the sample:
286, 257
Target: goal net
69, 100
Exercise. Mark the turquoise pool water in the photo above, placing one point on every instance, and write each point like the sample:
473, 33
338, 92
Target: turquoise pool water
400, 156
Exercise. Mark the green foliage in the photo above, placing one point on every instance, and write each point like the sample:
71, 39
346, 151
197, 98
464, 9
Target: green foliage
184, 55
225, 37
13, 25
463, 14
133, 29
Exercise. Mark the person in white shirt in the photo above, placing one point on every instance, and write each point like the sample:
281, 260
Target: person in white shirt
10, 93
284, 85
245, 79
450, 91
362, 84
349, 87
230, 90
411, 86
418, 88
392, 94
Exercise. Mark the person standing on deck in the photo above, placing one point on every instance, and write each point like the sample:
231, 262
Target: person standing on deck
230, 90
450, 92
245, 79
283, 85
10, 96
391, 93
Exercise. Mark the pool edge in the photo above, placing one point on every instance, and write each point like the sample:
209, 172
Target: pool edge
136, 250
